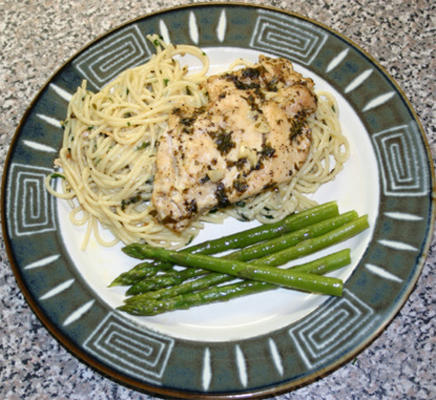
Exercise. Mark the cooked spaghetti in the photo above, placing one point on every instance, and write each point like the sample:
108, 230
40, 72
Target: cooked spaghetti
107, 158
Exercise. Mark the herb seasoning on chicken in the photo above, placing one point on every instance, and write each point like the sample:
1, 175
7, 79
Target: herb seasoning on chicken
251, 136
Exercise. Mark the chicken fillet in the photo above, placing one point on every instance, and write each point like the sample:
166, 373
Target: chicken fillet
251, 136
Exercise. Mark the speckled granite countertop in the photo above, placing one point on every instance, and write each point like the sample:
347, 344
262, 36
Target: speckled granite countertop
37, 37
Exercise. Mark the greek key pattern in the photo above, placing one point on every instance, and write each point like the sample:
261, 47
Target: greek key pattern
327, 330
400, 159
31, 208
288, 37
133, 350
103, 61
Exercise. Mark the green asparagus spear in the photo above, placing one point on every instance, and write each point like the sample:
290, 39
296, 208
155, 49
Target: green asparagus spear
240, 269
293, 238
310, 246
237, 240
300, 281
303, 248
319, 266
148, 270
161, 281
144, 305
147, 306
188, 300
249, 253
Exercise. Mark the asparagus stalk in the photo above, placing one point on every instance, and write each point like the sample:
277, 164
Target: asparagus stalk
148, 270
188, 300
237, 240
249, 253
143, 304
310, 246
141, 271
301, 249
165, 280
319, 266
272, 246
240, 269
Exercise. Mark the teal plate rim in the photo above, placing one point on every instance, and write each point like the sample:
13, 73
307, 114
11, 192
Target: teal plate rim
281, 360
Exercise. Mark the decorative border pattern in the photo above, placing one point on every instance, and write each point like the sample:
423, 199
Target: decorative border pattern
105, 60
31, 208
400, 160
288, 37
129, 348
324, 333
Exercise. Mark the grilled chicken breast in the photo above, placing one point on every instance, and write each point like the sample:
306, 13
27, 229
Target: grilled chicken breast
251, 136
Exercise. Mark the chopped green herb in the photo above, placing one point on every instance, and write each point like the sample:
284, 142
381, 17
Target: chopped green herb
188, 91
267, 151
57, 175
224, 142
143, 146
166, 80
221, 195
188, 121
192, 207
240, 185
296, 127
125, 203
243, 217
204, 179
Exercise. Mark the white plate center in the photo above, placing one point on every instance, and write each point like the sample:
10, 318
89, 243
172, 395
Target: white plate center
356, 187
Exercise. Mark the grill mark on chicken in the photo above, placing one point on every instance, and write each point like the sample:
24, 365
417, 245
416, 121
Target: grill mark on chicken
251, 136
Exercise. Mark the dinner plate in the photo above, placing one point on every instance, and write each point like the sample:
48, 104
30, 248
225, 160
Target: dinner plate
260, 344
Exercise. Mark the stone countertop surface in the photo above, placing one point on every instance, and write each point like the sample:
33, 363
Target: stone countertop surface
36, 37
